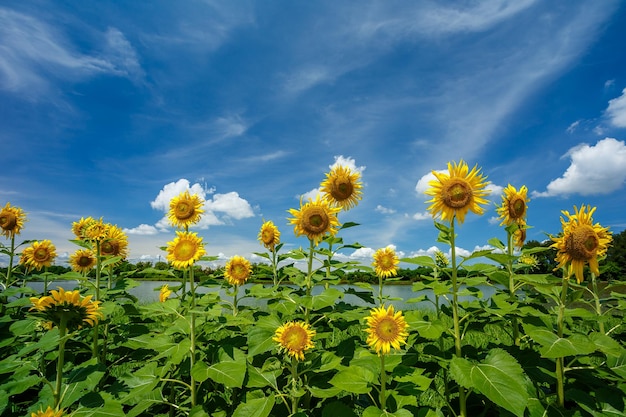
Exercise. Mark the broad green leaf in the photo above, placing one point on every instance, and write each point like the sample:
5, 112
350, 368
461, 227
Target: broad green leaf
257, 407
553, 346
109, 409
324, 392
410, 379
420, 260
260, 340
606, 344
353, 379
617, 364
174, 352
372, 411
141, 382
499, 377
260, 378
337, 408
228, 370
428, 329
327, 298
82, 380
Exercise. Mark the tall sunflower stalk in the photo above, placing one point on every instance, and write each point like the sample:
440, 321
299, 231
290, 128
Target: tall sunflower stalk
182, 252
11, 223
454, 194
581, 242
385, 265
237, 271
269, 236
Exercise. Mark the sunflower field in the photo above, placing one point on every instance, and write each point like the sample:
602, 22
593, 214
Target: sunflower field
539, 346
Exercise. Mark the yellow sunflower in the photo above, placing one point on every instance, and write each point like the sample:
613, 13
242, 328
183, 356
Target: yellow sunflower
582, 242
342, 187
164, 293
83, 260
185, 210
528, 261
269, 235
456, 192
79, 227
315, 219
11, 220
237, 270
96, 230
38, 255
48, 413
441, 259
67, 306
185, 249
386, 329
386, 262
114, 242
294, 338
514, 205
519, 235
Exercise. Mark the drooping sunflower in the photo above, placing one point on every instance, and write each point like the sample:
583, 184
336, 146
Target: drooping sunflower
38, 255
294, 338
96, 230
185, 210
69, 307
386, 262
315, 219
79, 228
114, 243
237, 270
457, 192
514, 205
83, 260
342, 187
519, 235
386, 329
164, 293
11, 220
582, 242
269, 235
441, 259
185, 249
48, 413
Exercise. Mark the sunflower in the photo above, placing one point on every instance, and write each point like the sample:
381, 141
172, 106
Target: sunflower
514, 205
67, 306
456, 192
386, 262
48, 413
441, 260
294, 338
342, 187
185, 210
164, 293
269, 235
11, 220
315, 219
115, 242
96, 230
519, 235
185, 249
237, 270
582, 242
79, 227
38, 255
386, 329
528, 261
83, 260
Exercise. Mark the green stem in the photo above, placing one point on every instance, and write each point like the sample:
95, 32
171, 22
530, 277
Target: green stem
455, 316
11, 255
330, 258
383, 384
309, 279
192, 335
60, 360
512, 297
596, 297
560, 366
294, 382
235, 307
96, 327
274, 266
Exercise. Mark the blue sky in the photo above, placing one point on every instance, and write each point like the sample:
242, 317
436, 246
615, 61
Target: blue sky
109, 109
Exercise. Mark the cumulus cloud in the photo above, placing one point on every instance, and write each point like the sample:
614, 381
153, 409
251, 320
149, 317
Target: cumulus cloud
384, 210
142, 229
593, 170
422, 216
616, 111
348, 163
219, 209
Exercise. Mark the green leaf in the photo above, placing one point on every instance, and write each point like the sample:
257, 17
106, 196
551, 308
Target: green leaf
229, 371
260, 340
82, 380
110, 409
420, 260
499, 377
428, 329
353, 379
260, 378
606, 344
553, 346
337, 408
327, 298
372, 411
257, 407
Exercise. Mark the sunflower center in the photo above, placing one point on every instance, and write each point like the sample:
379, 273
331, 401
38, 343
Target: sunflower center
239, 272
315, 220
84, 261
185, 250
267, 236
517, 208
110, 248
342, 189
582, 243
295, 338
387, 329
457, 194
41, 255
8, 221
386, 262
184, 210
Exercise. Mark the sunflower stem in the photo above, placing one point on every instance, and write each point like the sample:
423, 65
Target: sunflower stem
235, 308
192, 336
455, 315
560, 366
596, 298
512, 298
294, 387
10, 268
309, 279
383, 383
60, 360
96, 327
380, 290
274, 266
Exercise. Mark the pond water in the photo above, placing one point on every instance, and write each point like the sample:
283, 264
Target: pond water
402, 296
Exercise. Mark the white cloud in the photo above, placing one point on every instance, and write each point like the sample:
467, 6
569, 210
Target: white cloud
142, 229
384, 210
348, 163
593, 170
617, 110
310, 195
422, 216
422, 184
173, 189
231, 205
572, 128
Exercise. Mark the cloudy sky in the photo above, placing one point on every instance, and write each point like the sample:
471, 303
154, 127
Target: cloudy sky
109, 109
